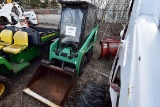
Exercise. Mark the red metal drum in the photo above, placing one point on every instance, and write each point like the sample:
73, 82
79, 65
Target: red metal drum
109, 47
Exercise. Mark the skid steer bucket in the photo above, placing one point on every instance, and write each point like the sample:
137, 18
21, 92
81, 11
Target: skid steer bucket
51, 85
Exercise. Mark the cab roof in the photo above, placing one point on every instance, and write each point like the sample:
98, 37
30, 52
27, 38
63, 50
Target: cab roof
77, 3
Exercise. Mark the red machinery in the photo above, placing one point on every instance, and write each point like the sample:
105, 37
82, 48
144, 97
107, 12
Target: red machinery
109, 47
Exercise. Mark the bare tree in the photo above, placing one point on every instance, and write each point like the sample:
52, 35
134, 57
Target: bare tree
116, 14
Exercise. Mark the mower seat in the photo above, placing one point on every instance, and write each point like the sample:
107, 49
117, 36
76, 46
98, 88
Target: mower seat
6, 38
20, 43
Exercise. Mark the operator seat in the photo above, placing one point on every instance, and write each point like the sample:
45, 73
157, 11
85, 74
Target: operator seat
6, 38
20, 43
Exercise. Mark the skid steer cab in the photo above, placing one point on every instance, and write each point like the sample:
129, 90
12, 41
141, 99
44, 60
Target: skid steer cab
54, 79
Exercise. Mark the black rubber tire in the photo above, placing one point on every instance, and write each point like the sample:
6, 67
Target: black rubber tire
94, 93
89, 54
90, 98
85, 101
97, 87
82, 65
6, 83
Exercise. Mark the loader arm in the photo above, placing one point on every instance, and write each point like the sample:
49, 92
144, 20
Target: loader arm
86, 46
53, 46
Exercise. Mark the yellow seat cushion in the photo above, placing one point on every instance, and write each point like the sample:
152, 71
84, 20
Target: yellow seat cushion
3, 44
20, 43
6, 37
21, 38
14, 49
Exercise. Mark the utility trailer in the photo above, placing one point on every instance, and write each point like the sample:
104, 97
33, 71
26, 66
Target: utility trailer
55, 78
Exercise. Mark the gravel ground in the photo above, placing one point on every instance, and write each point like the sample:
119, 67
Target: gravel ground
17, 98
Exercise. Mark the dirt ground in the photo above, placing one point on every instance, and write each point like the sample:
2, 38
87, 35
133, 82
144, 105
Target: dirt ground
17, 98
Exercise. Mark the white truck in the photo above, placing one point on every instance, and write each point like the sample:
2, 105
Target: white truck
135, 73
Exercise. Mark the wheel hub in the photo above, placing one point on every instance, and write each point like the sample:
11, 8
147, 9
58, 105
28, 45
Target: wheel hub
2, 88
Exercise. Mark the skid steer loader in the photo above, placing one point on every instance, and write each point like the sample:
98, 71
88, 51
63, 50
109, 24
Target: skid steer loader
54, 80
12, 14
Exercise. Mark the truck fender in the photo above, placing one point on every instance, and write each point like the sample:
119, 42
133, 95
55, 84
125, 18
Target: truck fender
3, 61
